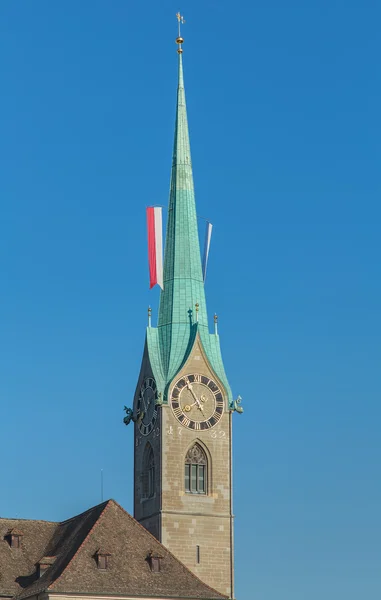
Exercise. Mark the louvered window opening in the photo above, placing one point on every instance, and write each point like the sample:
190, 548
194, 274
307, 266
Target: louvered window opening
155, 562
103, 561
148, 473
196, 471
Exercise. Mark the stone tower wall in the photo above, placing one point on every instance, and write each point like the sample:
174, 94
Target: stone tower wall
191, 520
180, 520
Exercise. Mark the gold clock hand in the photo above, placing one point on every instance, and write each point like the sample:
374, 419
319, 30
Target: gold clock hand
195, 397
192, 392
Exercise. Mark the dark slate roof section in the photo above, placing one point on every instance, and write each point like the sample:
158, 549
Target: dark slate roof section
75, 544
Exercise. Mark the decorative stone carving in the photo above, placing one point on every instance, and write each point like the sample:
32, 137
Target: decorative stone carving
195, 455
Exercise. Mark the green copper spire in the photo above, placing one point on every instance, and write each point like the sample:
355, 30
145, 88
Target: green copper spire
180, 322
183, 280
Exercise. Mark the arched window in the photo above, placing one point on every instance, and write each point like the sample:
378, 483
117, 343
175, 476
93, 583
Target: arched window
148, 472
196, 470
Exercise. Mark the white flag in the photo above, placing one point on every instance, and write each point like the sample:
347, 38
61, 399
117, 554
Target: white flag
208, 235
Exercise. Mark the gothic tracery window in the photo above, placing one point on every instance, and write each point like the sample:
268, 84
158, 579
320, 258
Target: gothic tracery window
148, 472
196, 470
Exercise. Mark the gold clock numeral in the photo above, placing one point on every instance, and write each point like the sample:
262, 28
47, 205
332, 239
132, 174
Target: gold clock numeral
197, 426
197, 378
216, 392
185, 421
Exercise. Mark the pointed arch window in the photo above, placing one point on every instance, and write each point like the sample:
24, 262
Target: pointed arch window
148, 472
196, 466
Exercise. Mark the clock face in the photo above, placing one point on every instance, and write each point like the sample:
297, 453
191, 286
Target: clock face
147, 410
197, 402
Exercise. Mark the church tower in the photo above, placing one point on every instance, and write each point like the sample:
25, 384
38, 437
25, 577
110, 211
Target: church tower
183, 403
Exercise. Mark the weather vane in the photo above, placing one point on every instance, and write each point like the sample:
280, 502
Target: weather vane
180, 40
181, 21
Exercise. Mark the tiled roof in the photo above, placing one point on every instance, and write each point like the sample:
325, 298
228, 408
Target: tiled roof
18, 565
75, 543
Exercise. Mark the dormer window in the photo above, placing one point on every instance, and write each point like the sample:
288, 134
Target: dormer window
14, 537
44, 563
103, 559
41, 569
154, 561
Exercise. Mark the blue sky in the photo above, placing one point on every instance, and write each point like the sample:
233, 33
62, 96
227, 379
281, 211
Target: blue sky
283, 104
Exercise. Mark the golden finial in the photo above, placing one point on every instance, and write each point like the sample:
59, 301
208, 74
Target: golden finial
180, 40
149, 316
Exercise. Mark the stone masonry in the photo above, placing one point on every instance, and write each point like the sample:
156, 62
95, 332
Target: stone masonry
183, 521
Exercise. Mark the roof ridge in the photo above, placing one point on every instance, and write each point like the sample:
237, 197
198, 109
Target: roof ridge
83, 513
54, 522
106, 506
136, 523
28, 520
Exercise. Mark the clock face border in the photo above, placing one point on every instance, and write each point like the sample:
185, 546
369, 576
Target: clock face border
199, 425
146, 428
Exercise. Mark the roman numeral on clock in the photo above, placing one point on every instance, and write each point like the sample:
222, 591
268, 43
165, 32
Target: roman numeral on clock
178, 412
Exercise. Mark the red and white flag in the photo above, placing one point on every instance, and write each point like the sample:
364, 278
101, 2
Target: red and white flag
208, 236
155, 246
